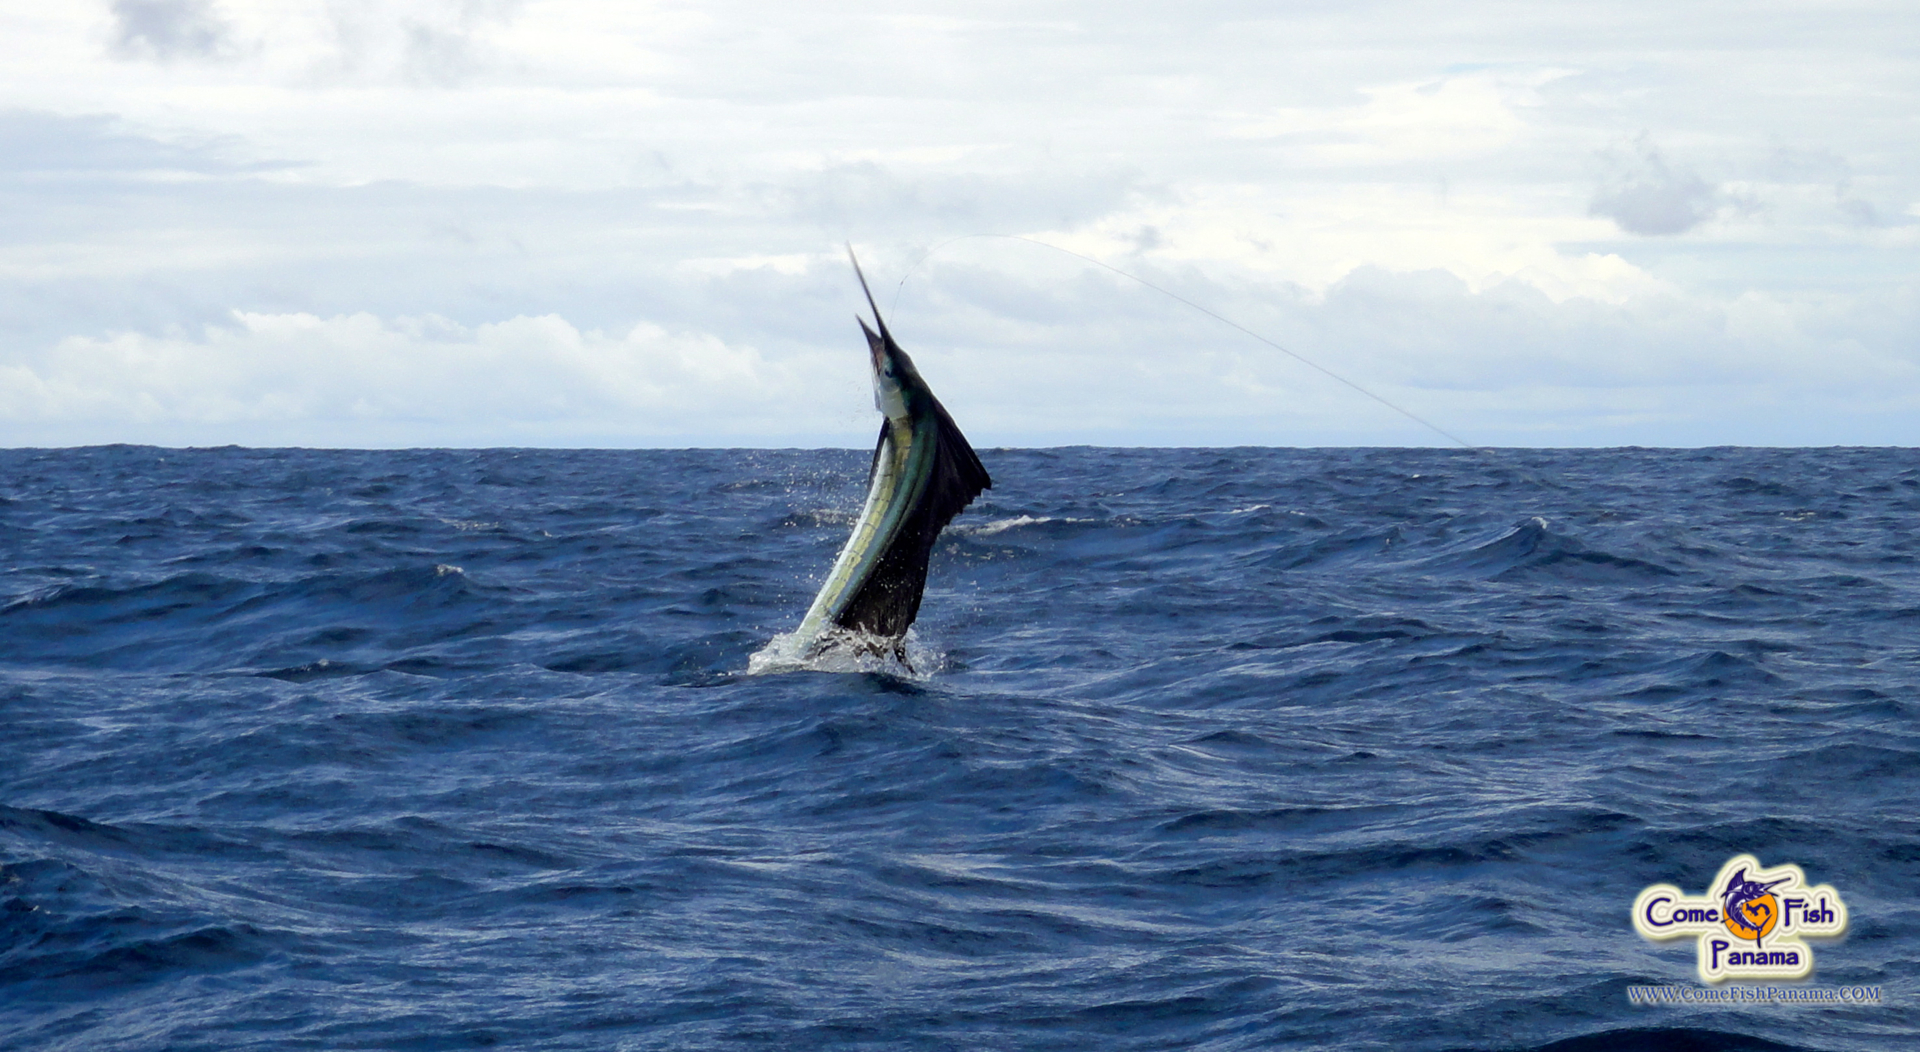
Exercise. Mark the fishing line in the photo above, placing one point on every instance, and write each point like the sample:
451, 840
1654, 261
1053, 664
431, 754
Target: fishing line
1295, 355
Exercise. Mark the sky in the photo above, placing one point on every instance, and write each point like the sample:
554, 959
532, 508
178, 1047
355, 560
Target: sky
395, 223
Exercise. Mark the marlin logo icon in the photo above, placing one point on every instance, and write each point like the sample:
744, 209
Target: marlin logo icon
1749, 907
923, 474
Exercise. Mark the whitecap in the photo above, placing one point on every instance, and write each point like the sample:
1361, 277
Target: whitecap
993, 526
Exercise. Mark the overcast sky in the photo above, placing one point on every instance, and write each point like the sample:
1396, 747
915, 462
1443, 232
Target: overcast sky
514, 222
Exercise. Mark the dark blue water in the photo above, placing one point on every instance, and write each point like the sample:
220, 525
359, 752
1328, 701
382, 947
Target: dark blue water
1215, 749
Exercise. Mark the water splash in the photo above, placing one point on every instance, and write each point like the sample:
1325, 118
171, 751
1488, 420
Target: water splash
842, 650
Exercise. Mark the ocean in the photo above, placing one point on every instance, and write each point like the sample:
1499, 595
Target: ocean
1208, 749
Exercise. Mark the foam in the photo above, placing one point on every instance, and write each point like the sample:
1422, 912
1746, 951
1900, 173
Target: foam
841, 650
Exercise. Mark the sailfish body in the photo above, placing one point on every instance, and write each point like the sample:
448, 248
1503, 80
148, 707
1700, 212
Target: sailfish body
923, 474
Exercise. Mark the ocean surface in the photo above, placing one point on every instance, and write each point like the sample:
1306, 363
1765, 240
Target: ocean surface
1201, 749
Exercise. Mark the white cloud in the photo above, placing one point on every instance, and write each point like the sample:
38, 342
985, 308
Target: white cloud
537, 379
1409, 195
1447, 118
1502, 364
1053, 352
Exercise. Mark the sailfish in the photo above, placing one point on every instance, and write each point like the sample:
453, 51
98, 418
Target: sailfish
923, 473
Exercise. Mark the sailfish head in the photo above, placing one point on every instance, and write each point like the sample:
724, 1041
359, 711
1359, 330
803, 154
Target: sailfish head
897, 388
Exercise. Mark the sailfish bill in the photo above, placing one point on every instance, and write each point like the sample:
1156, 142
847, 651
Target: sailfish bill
923, 474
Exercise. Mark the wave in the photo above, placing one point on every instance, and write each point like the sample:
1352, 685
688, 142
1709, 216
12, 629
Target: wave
54, 826
1193, 749
1016, 522
197, 619
1533, 549
1347, 548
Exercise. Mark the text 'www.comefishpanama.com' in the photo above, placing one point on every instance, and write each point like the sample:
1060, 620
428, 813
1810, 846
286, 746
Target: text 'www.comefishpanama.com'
1820, 995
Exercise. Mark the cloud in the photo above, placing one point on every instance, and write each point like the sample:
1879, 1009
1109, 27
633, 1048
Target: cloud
1035, 355
361, 380
1408, 196
1448, 118
1655, 198
428, 43
905, 199
1050, 355
1812, 186
41, 145
171, 30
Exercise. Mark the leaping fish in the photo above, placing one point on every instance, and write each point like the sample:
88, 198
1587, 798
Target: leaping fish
923, 474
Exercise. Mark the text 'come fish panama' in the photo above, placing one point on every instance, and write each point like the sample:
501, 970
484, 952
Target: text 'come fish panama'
1750, 924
